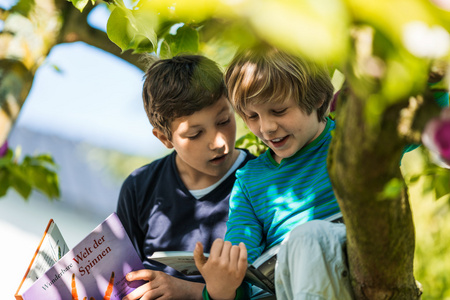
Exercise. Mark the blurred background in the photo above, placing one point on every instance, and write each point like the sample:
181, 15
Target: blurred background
85, 109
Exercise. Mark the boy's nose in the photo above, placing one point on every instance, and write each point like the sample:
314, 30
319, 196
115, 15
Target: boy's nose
218, 141
267, 126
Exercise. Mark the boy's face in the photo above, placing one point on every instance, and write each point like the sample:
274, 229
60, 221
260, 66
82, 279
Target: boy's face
204, 142
283, 126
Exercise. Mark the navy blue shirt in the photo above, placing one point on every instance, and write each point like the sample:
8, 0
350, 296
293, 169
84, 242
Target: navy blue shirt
160, 214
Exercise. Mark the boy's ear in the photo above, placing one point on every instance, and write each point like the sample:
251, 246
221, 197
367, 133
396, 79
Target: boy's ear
163, 138
322, 101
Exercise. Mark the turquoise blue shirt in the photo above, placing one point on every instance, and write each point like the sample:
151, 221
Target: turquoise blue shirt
270, 199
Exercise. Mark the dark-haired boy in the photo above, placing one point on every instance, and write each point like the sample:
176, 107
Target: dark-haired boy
182, 198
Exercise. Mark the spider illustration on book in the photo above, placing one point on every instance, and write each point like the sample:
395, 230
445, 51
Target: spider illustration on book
108, 291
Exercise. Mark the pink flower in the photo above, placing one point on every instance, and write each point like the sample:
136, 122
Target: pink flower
443, 4
442, 138
4, 149
333, 103
436, 137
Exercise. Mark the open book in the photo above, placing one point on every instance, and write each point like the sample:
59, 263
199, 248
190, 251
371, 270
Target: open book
261, 273
95, 268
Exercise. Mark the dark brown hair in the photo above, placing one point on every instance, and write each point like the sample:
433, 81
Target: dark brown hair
180, 86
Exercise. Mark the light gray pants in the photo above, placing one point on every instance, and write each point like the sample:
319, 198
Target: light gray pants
312, 263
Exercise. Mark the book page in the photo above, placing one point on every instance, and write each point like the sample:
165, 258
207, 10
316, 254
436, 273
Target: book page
52, 248
255, 277
266, 255
262, 272
182, 261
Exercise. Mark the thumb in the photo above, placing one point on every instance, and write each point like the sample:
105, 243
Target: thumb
199, 257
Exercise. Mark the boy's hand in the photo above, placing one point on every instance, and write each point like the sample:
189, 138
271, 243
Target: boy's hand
162, 286
224, 270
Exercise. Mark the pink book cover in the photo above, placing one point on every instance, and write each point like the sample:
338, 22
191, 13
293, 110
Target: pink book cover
95, 268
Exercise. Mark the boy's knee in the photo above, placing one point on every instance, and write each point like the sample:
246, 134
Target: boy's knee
318, 228
320, 233
312, 260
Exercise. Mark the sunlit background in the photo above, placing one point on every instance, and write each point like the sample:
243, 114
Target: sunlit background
85, 109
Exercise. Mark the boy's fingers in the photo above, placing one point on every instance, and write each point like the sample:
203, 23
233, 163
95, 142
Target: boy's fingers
216, 249
199, 257
242, 261
136, 294
143, 274
243, 248
226, 252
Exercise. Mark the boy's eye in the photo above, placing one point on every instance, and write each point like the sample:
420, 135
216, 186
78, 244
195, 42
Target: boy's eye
225, 122
280, 111
194, 136
252, 117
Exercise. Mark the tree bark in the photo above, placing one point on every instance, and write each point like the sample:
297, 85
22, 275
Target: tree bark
77, 29
15, 84
363, 160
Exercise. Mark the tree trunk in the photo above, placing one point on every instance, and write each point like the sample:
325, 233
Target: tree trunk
15, 83
363, 162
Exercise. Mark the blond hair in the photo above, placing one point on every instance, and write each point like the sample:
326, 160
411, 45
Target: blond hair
265, 73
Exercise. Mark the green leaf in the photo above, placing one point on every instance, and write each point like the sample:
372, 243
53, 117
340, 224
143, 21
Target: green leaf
252, 143
4, 182
187, 39
165, 51
22, 187
7, 158
132, 30
34, 173
44, 180
441, 183
184, 41
19, 181
317, 29
184, 10
23, 7
43, 160
392, 189
41, 173
116, 28
165, 27
81, 4
337, 80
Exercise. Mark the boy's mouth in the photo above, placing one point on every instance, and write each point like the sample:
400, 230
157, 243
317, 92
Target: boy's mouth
278, 142
218, 159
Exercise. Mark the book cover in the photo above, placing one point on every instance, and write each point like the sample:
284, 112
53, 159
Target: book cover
95, 268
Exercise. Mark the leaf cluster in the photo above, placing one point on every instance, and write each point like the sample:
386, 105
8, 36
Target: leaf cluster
252, 143
374, 44
434, 179
33, 173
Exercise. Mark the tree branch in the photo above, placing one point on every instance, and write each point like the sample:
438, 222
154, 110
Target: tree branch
15, 84
77, 29
100, 40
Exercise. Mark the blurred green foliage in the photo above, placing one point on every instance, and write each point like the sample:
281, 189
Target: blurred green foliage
32, 173
252, 143
431, 213
382, 42
385, 48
